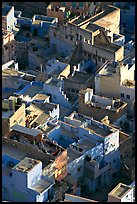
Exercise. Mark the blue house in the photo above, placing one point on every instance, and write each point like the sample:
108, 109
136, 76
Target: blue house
22, 181
39, 25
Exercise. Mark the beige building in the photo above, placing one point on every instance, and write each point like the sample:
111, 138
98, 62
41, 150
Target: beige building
8, 17
116, 80
73, 84
62, 10
98, 35
8, 46
13, 112
121, 193
38, 114
98, 107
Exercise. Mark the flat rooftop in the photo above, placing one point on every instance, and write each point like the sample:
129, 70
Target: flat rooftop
25, 130
46, 107
92, 27
95, 129
7, 113
40, 97
26, 165
6, 93
110, 47
96, 102
72, 155
108, 69
64, 138
31, 90
80, 20
41, 185
120, 190
103, 23
103, 14
85, 144
80, 77
13, 152
41, 119
79, 117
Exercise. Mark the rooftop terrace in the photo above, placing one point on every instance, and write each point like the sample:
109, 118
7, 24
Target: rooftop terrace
25, 130
85, 144
104, 13
40, 97
13, 152
80, 77
31, 90
26, 165
120, 190
96, 129
110, 47
81, 20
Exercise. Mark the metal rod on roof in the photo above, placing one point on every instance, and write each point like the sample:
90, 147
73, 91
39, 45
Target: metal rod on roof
41, 67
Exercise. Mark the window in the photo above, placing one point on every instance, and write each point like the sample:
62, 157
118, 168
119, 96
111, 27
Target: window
99, 59
122, 95
73, 90
94, 56
89, 56
71, 37
85, 53
20, 120
77, 36
128, 96
124, 24
80, 37
79, 168
103, 60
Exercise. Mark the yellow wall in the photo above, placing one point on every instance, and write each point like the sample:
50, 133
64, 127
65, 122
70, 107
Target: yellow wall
15, 118
18, 115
